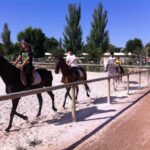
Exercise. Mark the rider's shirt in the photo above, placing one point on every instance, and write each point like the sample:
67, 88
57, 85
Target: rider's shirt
70, 58
24, 54
111, 60
118, 62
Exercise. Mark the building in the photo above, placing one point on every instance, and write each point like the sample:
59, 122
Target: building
126, 58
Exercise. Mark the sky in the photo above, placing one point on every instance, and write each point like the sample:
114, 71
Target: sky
127, 19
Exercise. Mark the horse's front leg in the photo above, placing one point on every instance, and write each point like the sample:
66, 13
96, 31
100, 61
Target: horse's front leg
40, 99
14, 107
21, 116
67, 93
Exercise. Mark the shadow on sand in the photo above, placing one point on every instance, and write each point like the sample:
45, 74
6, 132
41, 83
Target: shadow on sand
82, 115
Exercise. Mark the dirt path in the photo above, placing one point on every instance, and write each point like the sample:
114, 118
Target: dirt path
130, 131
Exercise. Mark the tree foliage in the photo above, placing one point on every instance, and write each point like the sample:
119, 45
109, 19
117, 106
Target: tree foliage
113, 48
50, 44
99, 37
73, 32
37, 39
5, 37
147, 49
134, 46
1, 49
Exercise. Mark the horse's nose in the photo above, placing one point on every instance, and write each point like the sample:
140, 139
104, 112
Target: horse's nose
56, 71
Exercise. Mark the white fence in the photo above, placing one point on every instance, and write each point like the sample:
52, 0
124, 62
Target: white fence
41, 90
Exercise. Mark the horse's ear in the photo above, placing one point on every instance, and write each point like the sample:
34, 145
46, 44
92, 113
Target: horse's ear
58, 56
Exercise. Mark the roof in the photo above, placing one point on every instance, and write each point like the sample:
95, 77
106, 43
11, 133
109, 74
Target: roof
118, 54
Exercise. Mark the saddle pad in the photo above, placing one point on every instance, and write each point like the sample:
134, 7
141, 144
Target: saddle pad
36, 78
23, 78
80, 73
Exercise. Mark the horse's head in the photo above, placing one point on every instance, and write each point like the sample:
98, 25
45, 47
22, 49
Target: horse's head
57, 66
60, 64
60, 61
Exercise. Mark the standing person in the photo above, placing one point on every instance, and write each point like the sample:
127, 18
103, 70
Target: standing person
71, 60
112, 58
25, 57
111, 64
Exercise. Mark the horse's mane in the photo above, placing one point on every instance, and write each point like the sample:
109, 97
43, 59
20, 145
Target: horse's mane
62, 59
4, 63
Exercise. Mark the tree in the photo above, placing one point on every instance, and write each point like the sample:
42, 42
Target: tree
99, 38
72, 32
54, 47
50, 44
1, 49
113, 48
37, 39
134, 46
5, 37
147, 50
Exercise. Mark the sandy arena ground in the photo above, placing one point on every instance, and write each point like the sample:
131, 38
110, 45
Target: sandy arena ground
56, 131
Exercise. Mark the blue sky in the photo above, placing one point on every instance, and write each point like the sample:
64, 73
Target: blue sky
127, 19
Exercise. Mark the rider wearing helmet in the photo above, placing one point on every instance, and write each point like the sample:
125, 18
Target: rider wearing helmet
25, 57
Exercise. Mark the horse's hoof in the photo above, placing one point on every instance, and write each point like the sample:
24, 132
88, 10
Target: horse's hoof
64, 107
88, 95
55, 109
7, 129
26, 118
38, 115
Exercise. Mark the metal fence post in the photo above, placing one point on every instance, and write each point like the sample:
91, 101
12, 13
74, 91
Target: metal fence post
108, 98
148, 78
73, 104
128, 84
139, 80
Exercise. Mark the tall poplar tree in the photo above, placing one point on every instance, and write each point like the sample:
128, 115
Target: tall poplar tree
5, 37
73, 32
98, 40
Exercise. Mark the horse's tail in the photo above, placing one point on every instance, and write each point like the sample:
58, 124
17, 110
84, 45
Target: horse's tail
85, 78
122, 70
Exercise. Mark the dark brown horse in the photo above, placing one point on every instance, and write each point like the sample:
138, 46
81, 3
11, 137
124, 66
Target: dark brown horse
11, 77
70, 75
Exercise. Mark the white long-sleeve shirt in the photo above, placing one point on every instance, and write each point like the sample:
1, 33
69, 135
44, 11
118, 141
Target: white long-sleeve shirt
71, 60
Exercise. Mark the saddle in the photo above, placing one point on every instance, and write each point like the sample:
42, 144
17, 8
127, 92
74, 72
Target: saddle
78, 73
36, 78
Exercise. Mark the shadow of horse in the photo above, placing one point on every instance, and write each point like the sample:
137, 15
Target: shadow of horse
103, 100
82, 115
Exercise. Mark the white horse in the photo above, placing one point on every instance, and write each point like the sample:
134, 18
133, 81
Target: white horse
115, 70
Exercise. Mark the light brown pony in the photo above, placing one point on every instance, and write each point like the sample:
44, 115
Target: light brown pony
70, 75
